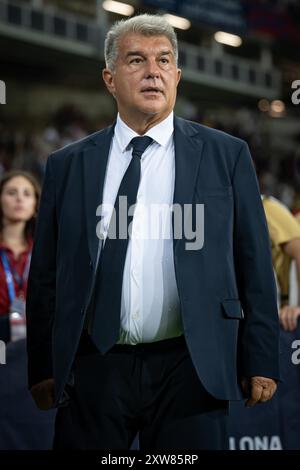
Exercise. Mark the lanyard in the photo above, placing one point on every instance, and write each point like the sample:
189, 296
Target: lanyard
14, 275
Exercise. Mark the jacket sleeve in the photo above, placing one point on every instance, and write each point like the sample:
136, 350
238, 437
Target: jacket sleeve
40, 300
259, 333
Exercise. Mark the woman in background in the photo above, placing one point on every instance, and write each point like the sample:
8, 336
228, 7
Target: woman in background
22, 426
19, 198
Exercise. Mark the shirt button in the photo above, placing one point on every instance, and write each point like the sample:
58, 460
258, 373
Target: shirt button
135, 316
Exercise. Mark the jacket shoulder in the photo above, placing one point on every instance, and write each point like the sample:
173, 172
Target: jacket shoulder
78, 146
210, 134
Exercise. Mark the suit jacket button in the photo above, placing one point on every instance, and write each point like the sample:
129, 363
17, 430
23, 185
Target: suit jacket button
91, 264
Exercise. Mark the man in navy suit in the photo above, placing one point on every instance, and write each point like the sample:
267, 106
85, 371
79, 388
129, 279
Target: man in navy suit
153, 333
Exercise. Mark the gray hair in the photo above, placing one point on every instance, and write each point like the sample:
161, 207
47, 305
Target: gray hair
146, 25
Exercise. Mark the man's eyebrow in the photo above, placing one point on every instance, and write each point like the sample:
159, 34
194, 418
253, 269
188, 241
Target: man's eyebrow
141, 53
166, 52
130, 53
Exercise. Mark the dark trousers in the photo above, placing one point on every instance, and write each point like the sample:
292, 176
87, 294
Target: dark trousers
149, 388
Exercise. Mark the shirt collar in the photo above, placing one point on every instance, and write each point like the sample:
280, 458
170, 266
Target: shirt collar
161, 133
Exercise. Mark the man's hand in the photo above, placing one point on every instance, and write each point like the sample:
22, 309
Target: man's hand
43, 394
288, 317
259, 389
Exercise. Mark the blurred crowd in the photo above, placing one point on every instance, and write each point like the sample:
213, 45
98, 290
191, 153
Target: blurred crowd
28, 149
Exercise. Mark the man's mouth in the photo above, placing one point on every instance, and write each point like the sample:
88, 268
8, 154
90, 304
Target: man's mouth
151, 90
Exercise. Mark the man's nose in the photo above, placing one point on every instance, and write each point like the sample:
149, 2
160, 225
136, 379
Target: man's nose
152, 69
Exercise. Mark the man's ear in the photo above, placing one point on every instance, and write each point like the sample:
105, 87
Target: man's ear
178, 75
108, 78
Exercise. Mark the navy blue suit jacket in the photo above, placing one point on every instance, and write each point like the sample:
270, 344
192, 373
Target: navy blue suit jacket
226, 289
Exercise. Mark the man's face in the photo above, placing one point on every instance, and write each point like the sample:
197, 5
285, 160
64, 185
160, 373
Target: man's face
145, 79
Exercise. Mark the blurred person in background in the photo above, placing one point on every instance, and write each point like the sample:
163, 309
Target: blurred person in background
22, 427
19, 198
284, 232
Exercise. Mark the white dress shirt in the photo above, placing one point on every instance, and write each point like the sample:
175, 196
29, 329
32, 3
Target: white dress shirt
150, 309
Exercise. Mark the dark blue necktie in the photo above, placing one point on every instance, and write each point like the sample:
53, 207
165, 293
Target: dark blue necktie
105, 326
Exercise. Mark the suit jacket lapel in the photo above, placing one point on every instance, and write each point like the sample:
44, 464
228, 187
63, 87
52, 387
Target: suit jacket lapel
94, 166
188, 156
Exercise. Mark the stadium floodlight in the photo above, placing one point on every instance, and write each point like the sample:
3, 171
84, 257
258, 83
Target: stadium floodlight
277, 108
118, 7
264, 105
228, 39
177, 21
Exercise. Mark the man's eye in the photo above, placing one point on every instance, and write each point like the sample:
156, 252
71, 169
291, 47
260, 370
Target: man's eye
164, 60
137, 60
